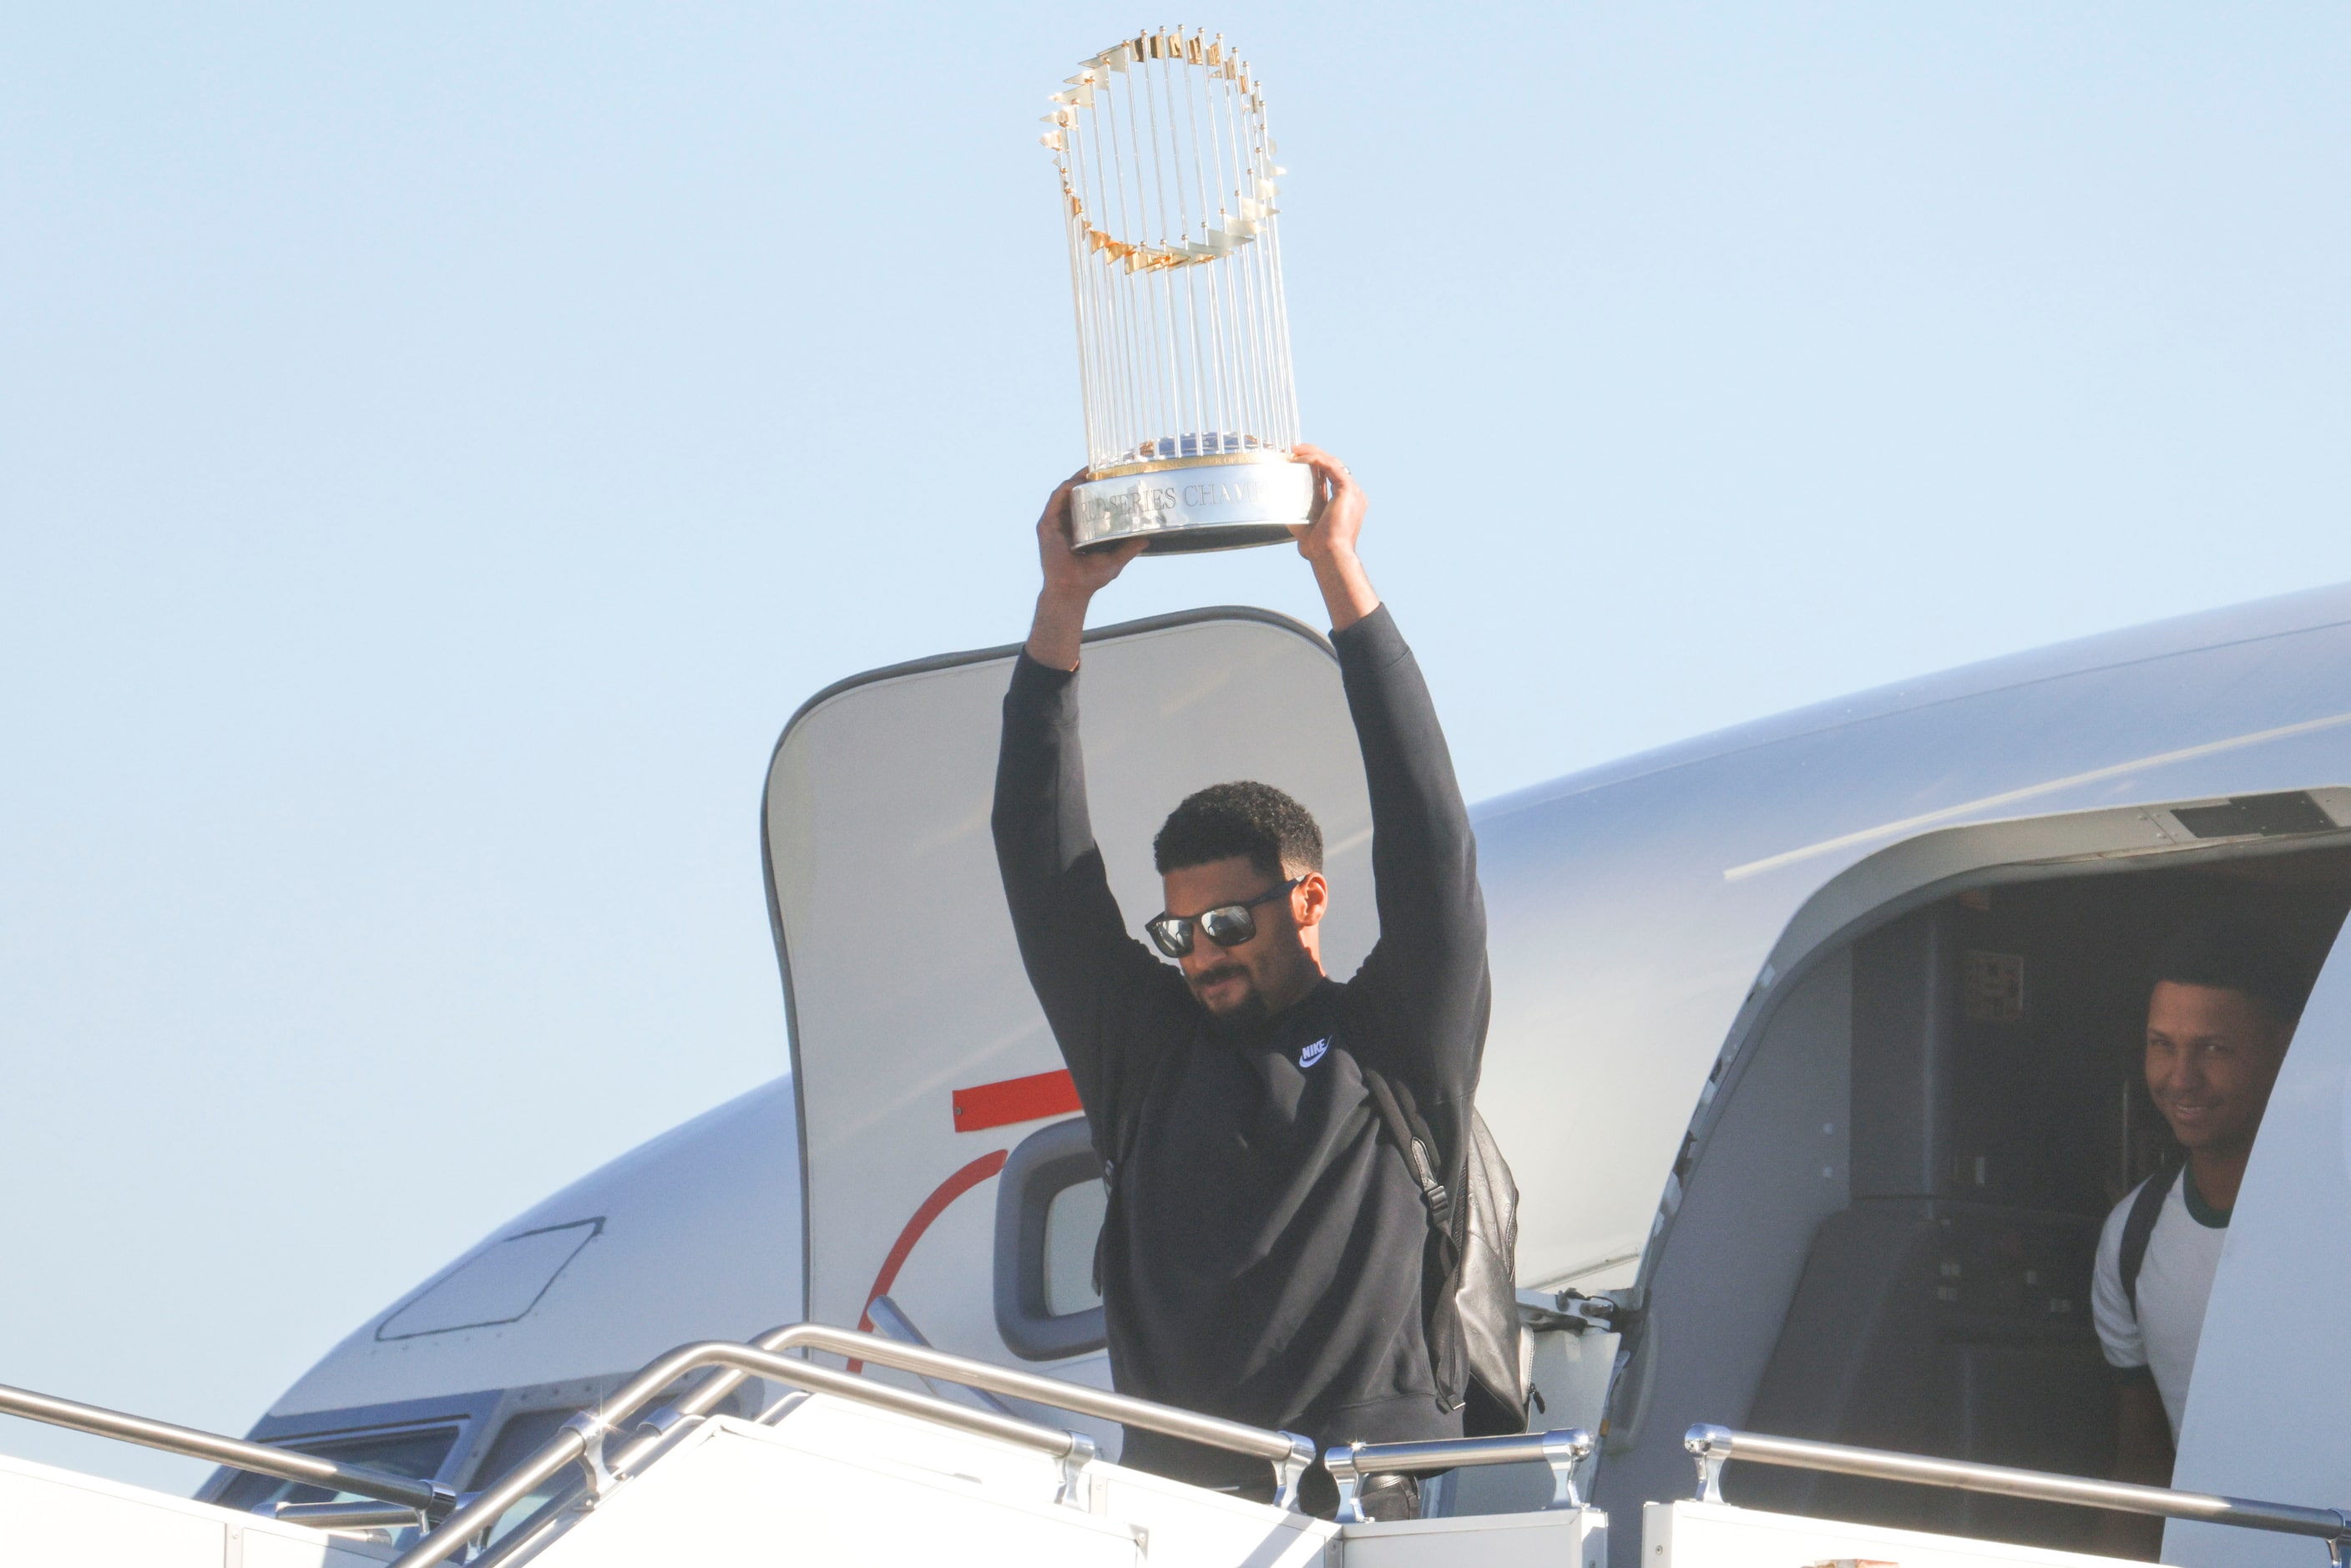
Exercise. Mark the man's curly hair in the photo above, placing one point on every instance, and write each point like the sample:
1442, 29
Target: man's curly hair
1243, 818
2254, 957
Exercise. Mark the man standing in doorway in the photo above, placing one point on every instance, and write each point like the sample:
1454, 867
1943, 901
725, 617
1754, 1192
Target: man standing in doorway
1266, 1250
2220, 1013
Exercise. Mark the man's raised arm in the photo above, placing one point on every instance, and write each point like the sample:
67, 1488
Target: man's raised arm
1073, 943
1430, 963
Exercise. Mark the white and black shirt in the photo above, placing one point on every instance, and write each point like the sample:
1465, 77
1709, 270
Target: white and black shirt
2174, 1280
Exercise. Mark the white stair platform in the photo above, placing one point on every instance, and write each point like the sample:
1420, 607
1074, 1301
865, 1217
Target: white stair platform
1569, 1538
1716, 1535
51, 1517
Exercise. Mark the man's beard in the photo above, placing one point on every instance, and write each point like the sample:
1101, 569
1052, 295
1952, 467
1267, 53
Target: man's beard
1244, 1015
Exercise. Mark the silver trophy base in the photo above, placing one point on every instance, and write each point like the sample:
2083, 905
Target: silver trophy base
1199, 506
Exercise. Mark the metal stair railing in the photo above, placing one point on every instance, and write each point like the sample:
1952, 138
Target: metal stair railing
424, 1504
1291, 1455
1713, 1447
890, 1320
582, 1440
1561, 1449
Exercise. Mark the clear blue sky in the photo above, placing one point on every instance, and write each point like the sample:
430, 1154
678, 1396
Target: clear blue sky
438, 450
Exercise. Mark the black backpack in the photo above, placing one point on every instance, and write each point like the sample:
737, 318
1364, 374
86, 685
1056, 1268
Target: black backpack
1471, 1288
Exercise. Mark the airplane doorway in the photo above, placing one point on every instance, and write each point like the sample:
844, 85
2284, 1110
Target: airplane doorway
1887, 1237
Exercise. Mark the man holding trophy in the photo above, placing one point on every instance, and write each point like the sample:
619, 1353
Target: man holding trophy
1265, 1251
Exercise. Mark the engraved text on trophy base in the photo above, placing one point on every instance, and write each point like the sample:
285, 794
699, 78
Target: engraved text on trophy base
1255, 503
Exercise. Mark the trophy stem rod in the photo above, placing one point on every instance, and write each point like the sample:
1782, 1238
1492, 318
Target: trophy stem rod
1146, 314
1197, 376
1087, 374
1220, 346
1131, 359
1210, 394
1150, 282
1117, 328
1245, 358
1243, 373
1081, 285
1107, 361
1245, 165
1282, 376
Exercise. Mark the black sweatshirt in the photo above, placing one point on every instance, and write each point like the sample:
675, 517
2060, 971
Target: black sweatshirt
1264, 1254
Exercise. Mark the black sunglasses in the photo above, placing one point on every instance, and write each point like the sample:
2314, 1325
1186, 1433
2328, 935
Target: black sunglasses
1227, 925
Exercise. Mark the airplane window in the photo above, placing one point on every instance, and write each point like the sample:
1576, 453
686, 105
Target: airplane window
1072, 1222
497, 1286
1049, 1204
415, 1452
521, 1436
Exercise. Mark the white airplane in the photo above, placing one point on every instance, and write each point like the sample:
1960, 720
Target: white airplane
1812, 1050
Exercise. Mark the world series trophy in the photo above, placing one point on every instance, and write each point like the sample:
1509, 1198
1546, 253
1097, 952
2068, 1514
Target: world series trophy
1167, 180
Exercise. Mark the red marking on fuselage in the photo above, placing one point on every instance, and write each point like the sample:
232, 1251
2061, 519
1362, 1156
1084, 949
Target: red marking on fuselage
1011, 1100
947, 1191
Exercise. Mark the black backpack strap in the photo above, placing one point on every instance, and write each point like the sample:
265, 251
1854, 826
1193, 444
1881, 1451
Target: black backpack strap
1127, 1126
1122, 1134
1417, 1145
2145, 1208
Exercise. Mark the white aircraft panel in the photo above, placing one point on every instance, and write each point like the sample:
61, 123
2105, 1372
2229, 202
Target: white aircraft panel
2266, 1410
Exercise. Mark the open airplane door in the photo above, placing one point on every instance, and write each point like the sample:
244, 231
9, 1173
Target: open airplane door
2267, 1408
922, 1060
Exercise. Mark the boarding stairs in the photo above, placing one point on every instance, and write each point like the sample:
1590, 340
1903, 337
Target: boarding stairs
848, 1467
